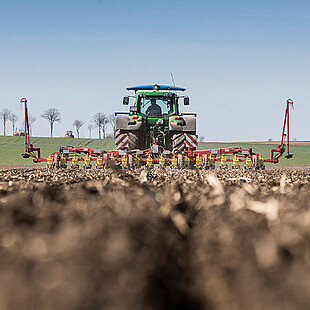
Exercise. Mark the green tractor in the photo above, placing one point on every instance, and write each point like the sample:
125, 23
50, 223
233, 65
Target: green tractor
155, 119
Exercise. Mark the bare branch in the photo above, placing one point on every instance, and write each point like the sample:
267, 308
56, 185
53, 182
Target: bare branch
101, 121
111, 118
78, 124
52, 115
90, 127
4, 116
31, 120
13, 119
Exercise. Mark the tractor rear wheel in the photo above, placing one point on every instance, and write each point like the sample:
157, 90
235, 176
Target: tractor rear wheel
133, 139
178, 141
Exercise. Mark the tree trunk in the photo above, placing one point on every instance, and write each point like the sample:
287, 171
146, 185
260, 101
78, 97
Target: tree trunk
13, 129
51, 130
99, 132
4, 127
78, 133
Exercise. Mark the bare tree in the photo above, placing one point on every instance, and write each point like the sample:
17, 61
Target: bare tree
111, 118
90, 127
52, 115
104, 127
13, 118
78, 124
201, 138
31, 120
101, 121
4, 116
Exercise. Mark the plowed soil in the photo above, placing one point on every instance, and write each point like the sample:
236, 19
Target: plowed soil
157, 239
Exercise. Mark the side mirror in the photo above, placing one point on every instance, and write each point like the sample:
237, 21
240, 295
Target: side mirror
126, 100
186, 100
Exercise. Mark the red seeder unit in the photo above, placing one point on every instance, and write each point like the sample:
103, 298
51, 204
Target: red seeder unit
157, 154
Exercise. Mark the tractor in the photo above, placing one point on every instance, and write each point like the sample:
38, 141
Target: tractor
19, 133
69, 134
155, 119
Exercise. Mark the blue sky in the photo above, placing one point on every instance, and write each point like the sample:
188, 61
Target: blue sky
239, 60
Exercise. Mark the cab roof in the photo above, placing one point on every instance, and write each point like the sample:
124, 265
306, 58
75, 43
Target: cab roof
156, 87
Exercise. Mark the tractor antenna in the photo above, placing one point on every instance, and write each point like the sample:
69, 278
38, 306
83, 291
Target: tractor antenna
172, 78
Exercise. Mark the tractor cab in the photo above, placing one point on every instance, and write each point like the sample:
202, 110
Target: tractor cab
160, 105
162, 102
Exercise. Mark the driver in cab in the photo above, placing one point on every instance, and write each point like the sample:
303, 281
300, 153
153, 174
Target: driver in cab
154, 109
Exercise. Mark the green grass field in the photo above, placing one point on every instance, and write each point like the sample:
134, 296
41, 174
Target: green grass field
11, 148
301, 152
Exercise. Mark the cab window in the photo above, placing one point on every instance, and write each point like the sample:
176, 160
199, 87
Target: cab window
155, 106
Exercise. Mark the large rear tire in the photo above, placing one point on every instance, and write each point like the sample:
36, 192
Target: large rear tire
178, 141
133, 139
